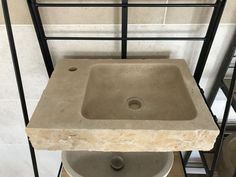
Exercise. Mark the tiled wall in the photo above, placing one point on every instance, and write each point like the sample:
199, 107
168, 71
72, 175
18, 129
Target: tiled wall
20, 14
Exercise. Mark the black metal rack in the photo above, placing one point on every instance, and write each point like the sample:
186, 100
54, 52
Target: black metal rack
34, 6
228, 87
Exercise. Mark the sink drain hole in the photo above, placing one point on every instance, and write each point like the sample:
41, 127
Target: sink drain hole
72, 68
134, 103
117, 163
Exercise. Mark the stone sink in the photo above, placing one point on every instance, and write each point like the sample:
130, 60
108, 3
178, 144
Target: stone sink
149, 105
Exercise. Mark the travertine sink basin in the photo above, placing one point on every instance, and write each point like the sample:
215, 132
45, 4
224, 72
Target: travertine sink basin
122, 105
137, 92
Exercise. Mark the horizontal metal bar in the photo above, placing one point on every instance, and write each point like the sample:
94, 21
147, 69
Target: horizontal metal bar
196, 175
199, 165
125, 5
130, 38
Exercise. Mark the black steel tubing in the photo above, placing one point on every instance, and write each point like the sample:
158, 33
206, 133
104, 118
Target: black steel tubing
210, 35
219, 142
204, 161
18, 79
130, 38
125, 5
186, 157
40, 35
124, 29
59, 171
182, 161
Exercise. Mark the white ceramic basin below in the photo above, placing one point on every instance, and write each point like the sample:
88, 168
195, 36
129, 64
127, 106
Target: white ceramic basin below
98, 164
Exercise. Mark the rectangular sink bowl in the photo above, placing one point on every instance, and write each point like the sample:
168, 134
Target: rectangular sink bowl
122, 105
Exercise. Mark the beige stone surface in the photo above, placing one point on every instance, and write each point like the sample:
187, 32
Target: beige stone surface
58, 122
19, 12
176, 171
229, 12
195, 15
198, 15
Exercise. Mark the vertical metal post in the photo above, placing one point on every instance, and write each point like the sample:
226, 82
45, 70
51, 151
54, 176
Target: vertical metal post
18, 79
32, 4
124, 29
182, 160
210, 35
186, 157
204, 161
59, 171
219, 141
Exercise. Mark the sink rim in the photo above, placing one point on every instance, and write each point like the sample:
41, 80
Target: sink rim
48, 131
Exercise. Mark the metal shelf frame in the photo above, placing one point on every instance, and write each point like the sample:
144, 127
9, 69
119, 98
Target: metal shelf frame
34, 6
219, 141
228, 87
